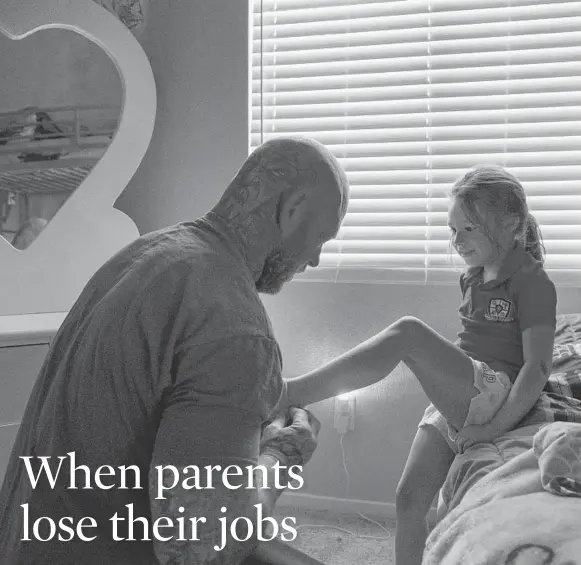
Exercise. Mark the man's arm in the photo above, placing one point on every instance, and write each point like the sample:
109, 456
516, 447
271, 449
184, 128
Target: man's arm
212, 417
284, 444
202, 540
293, 444
267, 492
289, 441
538, 357
189, 494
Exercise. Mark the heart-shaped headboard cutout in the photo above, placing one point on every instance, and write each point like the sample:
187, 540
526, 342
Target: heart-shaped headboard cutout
87, 230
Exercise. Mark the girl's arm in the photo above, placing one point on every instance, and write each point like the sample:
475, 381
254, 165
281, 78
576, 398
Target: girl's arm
538, 357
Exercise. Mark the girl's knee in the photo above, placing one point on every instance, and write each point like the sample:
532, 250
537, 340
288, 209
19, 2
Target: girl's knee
412, 499
404, 498
410, 326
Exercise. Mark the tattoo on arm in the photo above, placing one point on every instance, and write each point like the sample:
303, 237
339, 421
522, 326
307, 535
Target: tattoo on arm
193, 540
544, 369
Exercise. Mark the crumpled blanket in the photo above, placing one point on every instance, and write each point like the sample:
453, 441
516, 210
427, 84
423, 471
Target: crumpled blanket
558, 450
522, 505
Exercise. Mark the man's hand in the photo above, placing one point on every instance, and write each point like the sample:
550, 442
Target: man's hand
291, 437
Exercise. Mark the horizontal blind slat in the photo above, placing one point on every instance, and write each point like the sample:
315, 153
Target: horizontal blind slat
453, 147
533, 189
267, 95
524, 174
375, 63
552, 233
427, 119
408, 32
432, 247
376, 205
455, 13
448, 133
318, 22
523, 159
537, 100
491, 73
534, 43
569, 217
442, 260
403, 5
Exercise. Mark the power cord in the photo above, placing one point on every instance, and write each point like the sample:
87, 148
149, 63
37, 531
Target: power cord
347, 489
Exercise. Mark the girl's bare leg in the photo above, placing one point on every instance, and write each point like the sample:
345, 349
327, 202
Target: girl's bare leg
425, 471
444, 371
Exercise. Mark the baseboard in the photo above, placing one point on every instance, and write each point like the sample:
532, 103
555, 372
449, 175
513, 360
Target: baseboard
378, 510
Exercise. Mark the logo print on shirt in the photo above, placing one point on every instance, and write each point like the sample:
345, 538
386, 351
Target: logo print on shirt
499, 310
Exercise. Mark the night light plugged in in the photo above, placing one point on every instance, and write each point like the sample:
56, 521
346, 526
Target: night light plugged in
344, 419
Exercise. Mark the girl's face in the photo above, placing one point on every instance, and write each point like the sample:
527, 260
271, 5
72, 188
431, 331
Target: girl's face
471, 242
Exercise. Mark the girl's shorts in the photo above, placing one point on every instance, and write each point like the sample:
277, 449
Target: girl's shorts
494, 388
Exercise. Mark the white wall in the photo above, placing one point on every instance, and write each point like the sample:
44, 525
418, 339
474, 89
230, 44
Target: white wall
198, 51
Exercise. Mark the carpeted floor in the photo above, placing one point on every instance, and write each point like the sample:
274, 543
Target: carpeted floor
334, 545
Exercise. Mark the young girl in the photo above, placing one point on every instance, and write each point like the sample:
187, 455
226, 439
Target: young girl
482, 385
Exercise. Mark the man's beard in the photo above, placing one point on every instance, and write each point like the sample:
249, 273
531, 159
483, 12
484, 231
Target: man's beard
279, 268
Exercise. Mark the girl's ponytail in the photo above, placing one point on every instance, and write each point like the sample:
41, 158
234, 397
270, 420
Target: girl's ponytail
532, 238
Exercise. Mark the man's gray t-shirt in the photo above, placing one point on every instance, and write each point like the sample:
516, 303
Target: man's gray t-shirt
172, 330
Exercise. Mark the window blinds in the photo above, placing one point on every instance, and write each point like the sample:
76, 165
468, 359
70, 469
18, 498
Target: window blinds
409, 95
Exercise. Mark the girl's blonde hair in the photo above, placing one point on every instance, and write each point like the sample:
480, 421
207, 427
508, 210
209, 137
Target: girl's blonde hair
500, 193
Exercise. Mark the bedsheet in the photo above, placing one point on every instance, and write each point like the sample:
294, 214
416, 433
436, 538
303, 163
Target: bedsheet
514, 501
517, 500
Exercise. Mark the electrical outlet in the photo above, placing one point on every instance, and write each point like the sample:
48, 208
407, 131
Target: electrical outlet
344, 419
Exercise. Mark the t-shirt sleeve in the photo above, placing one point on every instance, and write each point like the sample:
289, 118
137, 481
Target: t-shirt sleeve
537, 303
222, 393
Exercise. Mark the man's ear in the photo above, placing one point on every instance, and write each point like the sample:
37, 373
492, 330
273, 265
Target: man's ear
292, 209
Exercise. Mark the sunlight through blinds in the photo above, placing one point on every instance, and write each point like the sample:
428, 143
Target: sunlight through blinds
409, 95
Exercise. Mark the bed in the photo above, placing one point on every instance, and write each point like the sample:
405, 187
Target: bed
517, 500
47, 153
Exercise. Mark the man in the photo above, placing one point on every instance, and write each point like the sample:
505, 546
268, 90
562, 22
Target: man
166, 361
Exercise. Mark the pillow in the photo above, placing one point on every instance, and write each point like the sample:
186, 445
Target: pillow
565, 376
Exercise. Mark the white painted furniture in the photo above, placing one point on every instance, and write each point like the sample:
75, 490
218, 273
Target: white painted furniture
24, 342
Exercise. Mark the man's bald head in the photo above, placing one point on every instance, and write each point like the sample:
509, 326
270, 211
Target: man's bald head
297, 187
287, 164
